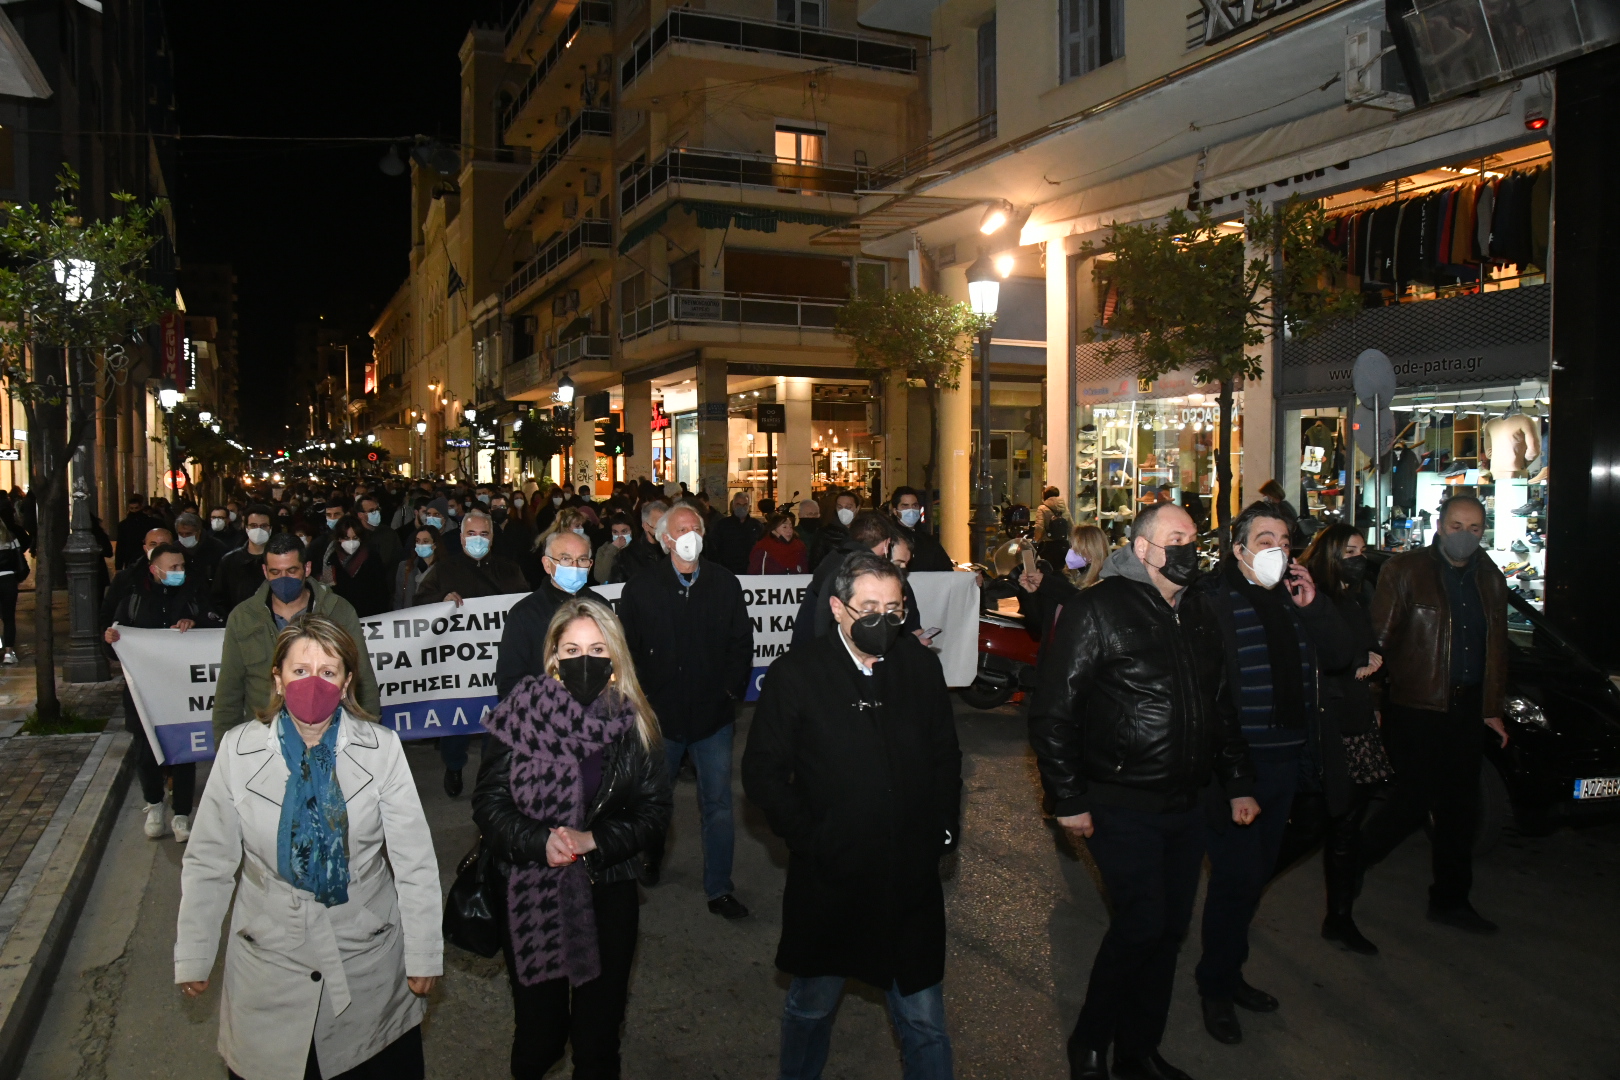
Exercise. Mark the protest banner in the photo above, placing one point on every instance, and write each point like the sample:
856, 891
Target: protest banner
435, 664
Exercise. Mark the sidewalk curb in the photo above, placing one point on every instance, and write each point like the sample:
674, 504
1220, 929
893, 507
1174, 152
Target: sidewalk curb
46, 908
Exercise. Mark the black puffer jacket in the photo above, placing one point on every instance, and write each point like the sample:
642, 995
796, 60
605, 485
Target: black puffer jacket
631, 807
1133, 707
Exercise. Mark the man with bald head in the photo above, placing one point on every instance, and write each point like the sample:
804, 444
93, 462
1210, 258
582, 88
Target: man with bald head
133, 572
1133, 717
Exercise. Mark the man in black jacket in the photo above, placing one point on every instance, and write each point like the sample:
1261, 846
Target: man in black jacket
132, 532
1131, 719
133, 572
735, 535
165, 596
927, 554
567, 562
688, 629
853, 758
832, 534
869, 532
241, 572
644, 550
1273, 626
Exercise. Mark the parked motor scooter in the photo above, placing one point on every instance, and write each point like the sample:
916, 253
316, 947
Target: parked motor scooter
1007, 650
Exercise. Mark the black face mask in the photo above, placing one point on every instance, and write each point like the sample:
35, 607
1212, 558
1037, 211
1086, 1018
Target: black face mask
1180, 563
875, 634
585, 677
1354, 568
499, 514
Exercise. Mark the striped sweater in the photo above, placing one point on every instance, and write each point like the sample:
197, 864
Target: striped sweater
1261, 728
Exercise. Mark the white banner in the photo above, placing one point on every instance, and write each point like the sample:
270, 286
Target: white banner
435, 664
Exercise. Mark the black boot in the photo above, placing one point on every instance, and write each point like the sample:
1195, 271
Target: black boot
1341, 868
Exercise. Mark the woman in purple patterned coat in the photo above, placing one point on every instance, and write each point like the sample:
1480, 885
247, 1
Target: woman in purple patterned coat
572, 788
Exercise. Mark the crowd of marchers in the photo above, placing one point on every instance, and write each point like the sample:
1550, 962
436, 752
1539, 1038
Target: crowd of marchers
1244, 716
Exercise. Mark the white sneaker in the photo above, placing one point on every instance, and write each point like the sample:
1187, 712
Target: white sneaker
182, 827
154, 820
8, 657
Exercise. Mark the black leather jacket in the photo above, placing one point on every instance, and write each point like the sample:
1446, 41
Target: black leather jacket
1133, 708
631, 808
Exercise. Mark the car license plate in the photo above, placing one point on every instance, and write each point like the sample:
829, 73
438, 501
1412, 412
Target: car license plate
1601, 787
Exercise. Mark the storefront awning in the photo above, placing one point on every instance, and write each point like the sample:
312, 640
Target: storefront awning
20, 76
1139, 197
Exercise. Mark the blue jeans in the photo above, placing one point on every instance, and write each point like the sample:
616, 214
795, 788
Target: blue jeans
918, 1019
1242, 859
711, 757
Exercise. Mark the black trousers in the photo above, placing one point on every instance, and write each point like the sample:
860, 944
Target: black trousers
8, 611
151, 777
1437, 757
399, 1060
1311, 825
1150, 865
554, 1015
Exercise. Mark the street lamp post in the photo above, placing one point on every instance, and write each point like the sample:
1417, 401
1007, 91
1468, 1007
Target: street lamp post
85, 661
984, 293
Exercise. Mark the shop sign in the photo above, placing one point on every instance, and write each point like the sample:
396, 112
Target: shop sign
713, 410
1223, 18
169, 348
1494, 338
10, 455
771, 419
660, 419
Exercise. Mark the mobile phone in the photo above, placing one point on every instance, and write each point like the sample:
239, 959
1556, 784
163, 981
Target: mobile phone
931, 633
1029, 559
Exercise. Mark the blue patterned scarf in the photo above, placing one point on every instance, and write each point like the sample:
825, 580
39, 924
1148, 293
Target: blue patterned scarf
312, 840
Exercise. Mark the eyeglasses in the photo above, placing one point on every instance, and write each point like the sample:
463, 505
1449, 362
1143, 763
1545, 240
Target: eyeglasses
571, 560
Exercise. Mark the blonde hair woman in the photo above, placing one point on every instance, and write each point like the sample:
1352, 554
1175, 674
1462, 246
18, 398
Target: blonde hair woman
1088, 549
568, 519
333, 944
573, 787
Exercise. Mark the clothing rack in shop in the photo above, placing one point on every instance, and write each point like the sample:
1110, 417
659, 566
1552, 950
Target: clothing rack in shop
1399, 193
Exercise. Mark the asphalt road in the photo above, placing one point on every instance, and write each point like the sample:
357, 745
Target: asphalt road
1537, 1000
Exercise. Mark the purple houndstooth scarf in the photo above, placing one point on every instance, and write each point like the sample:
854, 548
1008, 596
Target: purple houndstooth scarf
551, 918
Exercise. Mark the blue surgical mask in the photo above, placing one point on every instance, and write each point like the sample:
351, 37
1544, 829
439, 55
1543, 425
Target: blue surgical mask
174, 578
571, 579
332, 523
433, 521
910, 516
286, 588
484, 499
424, 551
374, 518
477, 546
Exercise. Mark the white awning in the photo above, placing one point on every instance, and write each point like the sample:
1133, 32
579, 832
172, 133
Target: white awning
20, 77
1145, 195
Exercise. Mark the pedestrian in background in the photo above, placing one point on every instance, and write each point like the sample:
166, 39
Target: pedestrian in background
465, 572
166, 598
927, 554
355, 571
241, 571
567, 565
1132, 719
573, 789
831, 535
1440, 619
414, 567
644, 550
14, 569
620, 533
734, 536
1352, 752
853, 757
779, 551
693, 646
335, 938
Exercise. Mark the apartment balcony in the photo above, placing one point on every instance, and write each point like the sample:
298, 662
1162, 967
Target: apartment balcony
590, 20
586, 136
681, 318
587, 353
586, 242
531, 19
941, 148
521, 381
688, 47
756, 179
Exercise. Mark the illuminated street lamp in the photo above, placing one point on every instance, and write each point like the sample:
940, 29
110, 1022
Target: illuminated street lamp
984, 294
565, 390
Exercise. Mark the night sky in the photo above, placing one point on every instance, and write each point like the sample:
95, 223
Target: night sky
311, 227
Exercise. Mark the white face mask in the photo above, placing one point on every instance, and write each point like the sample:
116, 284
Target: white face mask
845, 515
1269, 566
579, 530
258, 536
688, 546
349, 546
188, 541
217, 524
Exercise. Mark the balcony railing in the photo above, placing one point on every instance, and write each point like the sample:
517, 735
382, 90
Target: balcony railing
588, 13
588, 122
590, 233
781, 39
588, 347
520, 377
734, 309
981, 129
726, 169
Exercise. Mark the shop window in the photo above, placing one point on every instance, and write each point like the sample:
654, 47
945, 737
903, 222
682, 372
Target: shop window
780, 274
1092, 34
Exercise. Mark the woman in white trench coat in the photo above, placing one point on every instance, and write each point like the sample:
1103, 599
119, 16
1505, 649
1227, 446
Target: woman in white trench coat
333, 944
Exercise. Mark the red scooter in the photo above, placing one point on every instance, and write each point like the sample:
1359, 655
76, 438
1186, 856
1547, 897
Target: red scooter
1007, 655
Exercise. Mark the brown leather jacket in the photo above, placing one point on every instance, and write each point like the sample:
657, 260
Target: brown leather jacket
1412, 623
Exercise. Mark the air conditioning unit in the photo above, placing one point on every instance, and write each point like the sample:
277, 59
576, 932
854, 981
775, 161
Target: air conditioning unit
1373, 76
593, 185
559, 305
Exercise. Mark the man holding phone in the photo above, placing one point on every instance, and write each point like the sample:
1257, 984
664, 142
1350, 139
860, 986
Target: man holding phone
1275, 630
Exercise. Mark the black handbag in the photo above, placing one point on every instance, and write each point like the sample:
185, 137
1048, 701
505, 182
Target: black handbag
472, 910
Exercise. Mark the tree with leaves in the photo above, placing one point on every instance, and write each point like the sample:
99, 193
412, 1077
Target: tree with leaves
913, 334
537, 440
1197, 295
72, 293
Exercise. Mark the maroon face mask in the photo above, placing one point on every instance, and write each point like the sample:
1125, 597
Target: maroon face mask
312, 700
